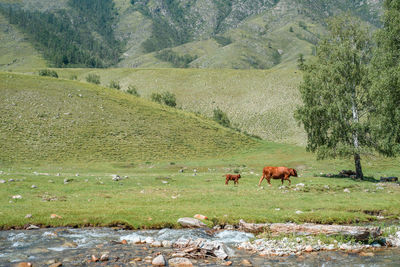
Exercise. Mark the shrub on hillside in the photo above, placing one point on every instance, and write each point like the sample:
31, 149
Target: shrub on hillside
50, 73
114, 85
132, 90
93, 78
166, 98
221, 118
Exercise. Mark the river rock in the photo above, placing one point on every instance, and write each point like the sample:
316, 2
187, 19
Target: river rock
32, 227
190, 222
24, 264
346, 190
180, 262
116, 177
56, 264
308, 248
220, 253
166, 244
70, 245
33, 186
149, 240
104, 257
28, 216
2, 181
17, 197
229, 227
246, 263
159, 261
156, 244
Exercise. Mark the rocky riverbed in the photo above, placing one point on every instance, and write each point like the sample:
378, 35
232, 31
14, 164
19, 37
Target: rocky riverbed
187, 247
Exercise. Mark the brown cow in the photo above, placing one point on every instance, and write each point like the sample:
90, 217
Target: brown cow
232, 177
282, 173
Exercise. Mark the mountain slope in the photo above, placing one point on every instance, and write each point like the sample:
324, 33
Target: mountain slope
238, 34
59, 120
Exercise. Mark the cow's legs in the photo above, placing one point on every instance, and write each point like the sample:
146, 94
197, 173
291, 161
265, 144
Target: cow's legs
261, 179
226, 181
269, 180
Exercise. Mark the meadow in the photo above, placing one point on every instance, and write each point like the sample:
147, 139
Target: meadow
156, 193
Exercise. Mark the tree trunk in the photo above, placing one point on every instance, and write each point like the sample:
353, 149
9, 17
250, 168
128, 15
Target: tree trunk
276, 229
357, 158
357, 162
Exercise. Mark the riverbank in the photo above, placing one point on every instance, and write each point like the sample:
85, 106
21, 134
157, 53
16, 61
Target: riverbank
113, 247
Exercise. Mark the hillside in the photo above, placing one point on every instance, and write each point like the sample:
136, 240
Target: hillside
260, 102
237, 34
59, 120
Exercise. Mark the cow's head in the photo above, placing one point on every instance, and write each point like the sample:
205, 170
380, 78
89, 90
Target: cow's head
238, 176
293, 172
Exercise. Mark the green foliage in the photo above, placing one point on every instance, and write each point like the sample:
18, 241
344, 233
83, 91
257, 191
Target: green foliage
166, 98
385, 71
176, 60
47, 72
165, 34
73, 77
222, 40
156, 97
93, 78
114, 85
335, 93
66, 37
221, 117
303, 25
133, 90
291, 29
300, 62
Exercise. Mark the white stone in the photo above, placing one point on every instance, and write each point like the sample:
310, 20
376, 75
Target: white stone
159, 261
346, 190
190, 222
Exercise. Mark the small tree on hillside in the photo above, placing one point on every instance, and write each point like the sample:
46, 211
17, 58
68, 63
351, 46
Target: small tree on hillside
335, 93
385, 75
300, 62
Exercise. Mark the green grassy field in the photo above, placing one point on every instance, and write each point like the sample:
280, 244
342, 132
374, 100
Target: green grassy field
260, 102
144, 200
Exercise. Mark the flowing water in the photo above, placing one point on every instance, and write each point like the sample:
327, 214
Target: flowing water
74, 247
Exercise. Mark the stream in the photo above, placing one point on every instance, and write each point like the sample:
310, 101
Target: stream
74, 247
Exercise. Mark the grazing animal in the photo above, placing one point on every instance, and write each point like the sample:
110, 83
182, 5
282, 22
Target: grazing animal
232, 177
282, 173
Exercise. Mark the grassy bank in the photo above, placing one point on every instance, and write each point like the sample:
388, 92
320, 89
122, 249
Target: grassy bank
156, 194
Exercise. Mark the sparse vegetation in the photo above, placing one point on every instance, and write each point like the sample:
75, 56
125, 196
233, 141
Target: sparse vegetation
114, 85
166, 98
221, 117
93, 78
132, 90
47, 72
176, 60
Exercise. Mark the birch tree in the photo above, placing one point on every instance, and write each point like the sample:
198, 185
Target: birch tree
385, 75
335, 93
